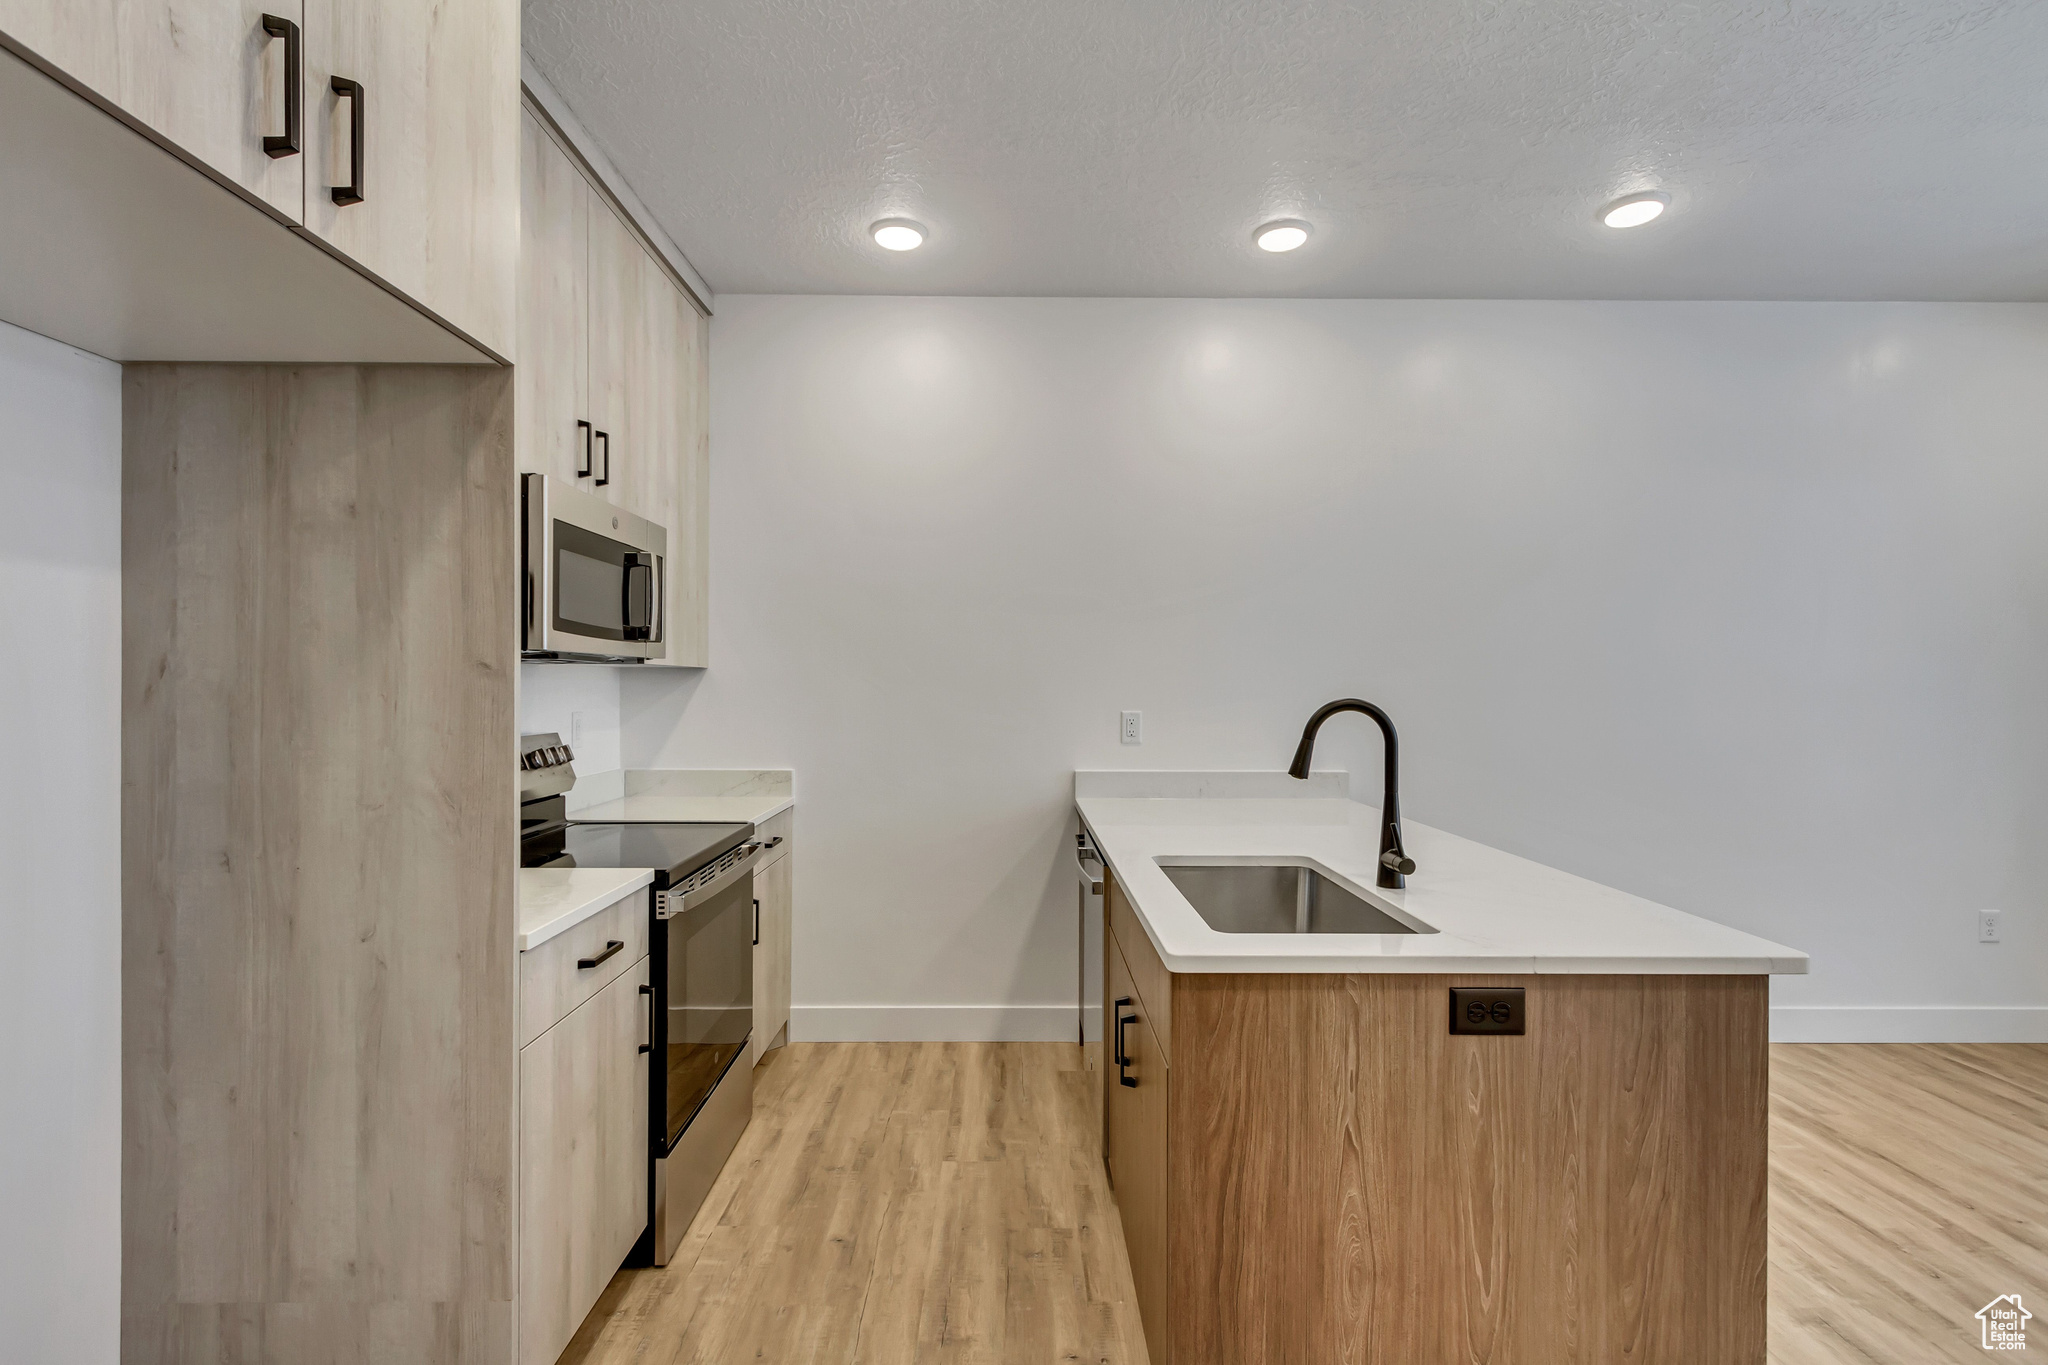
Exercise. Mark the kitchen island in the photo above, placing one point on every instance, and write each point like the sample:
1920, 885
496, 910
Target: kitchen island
1315, 1161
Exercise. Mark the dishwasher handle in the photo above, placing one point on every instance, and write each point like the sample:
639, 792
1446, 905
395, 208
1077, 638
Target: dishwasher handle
1084, 855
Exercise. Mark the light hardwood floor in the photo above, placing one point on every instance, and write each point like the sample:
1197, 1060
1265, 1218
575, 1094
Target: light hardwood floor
944, 1202
1909, 1187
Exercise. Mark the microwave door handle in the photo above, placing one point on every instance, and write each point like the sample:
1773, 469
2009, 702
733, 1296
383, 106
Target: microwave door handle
631, 565
636, 613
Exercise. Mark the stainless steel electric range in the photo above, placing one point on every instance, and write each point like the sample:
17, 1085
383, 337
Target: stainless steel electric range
703, 929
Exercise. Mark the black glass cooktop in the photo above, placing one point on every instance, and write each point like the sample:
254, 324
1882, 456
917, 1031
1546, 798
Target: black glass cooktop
673, 851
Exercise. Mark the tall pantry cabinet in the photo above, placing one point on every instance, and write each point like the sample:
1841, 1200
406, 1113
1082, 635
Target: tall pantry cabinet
318, 823
612, 382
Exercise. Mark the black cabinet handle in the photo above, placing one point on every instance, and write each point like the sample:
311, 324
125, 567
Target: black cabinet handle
585, 428
294, 88
757, 921
1117, 1053
606, 437
352, 91
610, 947
648, 991
1122, 1076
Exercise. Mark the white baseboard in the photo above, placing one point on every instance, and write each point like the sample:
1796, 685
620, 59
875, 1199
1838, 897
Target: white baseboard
1909, 1024
932, 1024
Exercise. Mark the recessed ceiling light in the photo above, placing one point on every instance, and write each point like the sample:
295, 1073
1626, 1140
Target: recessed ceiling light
898, 234
1635, 210
1282, 234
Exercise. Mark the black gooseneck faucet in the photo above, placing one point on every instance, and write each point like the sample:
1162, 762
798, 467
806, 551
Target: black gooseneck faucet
1395, 864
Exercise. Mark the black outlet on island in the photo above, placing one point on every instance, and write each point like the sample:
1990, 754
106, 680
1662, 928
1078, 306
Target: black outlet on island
1487, 1009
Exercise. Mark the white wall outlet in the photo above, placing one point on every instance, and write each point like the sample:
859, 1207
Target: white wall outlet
1987, 926
576, 729
1130, 728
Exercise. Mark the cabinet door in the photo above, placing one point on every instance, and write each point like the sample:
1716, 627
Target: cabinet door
1137, 1148
206, 77
618, 328
689, 533
646, 482
772, 887
439, 108
666, 480
552, 379
582, 1160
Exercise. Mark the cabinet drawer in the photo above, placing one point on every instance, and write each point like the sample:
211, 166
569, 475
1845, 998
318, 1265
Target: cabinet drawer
551, 984
775, 827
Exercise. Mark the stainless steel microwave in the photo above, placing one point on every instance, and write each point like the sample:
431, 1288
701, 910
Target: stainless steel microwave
594, 577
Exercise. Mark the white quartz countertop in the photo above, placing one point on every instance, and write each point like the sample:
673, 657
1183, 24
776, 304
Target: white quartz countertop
553, 900
685, 795
657, 807
1493, 912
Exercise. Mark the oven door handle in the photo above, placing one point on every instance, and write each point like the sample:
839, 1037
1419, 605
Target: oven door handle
696, 896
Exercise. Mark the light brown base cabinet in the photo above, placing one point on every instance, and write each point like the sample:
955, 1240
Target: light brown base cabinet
1313, 1168
582, 1158
774, 890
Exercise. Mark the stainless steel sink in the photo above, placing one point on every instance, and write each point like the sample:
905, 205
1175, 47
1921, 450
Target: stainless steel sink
1282, 897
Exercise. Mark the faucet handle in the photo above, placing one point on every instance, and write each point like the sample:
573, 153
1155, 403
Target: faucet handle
1398, 861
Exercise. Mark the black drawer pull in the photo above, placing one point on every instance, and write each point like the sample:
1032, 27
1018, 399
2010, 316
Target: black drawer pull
606, 437
585, 428
611, 946
352, 91
1123, 1077
1117, 1053
294, 88
648, 991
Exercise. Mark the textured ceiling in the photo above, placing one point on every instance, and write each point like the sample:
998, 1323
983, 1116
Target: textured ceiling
1893, 149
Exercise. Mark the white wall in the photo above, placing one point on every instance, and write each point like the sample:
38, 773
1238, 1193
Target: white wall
60, 846
552, 696
1742, 607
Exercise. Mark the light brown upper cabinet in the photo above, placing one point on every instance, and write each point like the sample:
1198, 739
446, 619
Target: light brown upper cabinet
396, 146
553, 434
210, 78
613, 373
619, 308
412, 158
690, 561
666, 478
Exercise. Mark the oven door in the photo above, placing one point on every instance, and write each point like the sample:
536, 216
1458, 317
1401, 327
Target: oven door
704, 984
595, 576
